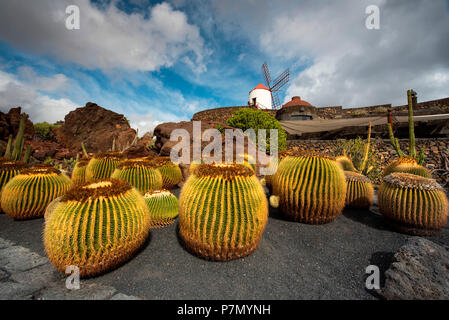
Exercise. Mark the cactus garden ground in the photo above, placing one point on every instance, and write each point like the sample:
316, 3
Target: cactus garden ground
293, 261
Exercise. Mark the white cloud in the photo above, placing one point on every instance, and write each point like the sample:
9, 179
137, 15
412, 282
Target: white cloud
15, 92
108, 39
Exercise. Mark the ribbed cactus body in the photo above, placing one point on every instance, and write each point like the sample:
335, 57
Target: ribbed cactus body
8, 170
163, 207
273, 166
345, 163
359, 191
222, 212
311, 188
27, 195
171, 173
96, 227
415, 204
102, 166
142, 175
79, 172
407, 165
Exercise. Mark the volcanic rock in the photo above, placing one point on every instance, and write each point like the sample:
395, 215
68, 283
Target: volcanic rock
96, 127
9, 124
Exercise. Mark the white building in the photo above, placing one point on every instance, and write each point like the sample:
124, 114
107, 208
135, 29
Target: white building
260, 96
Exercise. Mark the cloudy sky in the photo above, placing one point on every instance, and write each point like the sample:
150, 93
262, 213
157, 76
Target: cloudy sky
158, 61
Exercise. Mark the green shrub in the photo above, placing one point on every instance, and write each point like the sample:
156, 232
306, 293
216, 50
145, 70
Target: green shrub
247, 118
381, 110
44, 128
355, 149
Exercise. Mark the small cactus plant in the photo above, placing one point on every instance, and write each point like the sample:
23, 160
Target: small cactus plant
102, 165
407, 165
222, 211
171, 173
79, 171
27, 194
413, 204
311, 188
359, 191
345, 163
163, 207
141, 174
96, 227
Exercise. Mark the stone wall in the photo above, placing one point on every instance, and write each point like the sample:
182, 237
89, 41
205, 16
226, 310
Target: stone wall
222, 114
434, 149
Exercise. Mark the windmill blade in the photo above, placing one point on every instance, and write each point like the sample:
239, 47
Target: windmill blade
280, 81
275, 100
266, 74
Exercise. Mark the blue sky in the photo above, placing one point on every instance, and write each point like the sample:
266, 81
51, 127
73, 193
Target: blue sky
158, 61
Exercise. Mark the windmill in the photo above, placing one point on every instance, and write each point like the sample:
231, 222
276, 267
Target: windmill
276, 85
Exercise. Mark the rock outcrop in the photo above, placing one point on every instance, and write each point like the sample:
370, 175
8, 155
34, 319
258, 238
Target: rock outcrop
96, 127
419, 271
9, 124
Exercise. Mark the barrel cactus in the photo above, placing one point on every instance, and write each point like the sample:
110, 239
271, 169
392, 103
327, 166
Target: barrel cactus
163, 207
273, 166
8, 170
96, 227
407, 165
222, 211
311, 188
79, 171
359, 191
171, 173
141, 174
345, 163
413, 204
27, 194
102, 165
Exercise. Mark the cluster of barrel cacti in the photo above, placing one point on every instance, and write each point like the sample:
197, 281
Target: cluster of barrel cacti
102, 165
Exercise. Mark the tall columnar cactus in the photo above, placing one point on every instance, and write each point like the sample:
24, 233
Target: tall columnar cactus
171, 173
222, 211
407, 165
141, 174
411, 99
79, 171
413, 204
163, 207
96, 227
359, 191
27, 194
311, 188
19, 142
102, 165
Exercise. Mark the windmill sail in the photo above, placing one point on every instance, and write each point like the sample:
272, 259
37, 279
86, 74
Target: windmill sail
278, 83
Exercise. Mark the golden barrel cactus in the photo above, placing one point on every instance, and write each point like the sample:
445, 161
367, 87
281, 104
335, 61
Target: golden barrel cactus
102, 165
311, 188
171, 173
27, 194
407, 165
413, 204
141, 174
79, 171
273, 166
8, 170
222, 212
163, 207
345, 163
359, 191
96, 227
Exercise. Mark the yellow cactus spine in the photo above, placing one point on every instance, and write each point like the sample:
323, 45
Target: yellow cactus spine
413, 204
141, 174
96, 227
171, 173
79, 171
359, 191
311, 188
102, 165
163, 207
222, 212
407, 165
27, 195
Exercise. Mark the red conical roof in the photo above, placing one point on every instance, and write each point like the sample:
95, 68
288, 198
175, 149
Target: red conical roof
261, 86
296, 101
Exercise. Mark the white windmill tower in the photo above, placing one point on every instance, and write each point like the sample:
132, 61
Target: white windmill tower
265, 97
